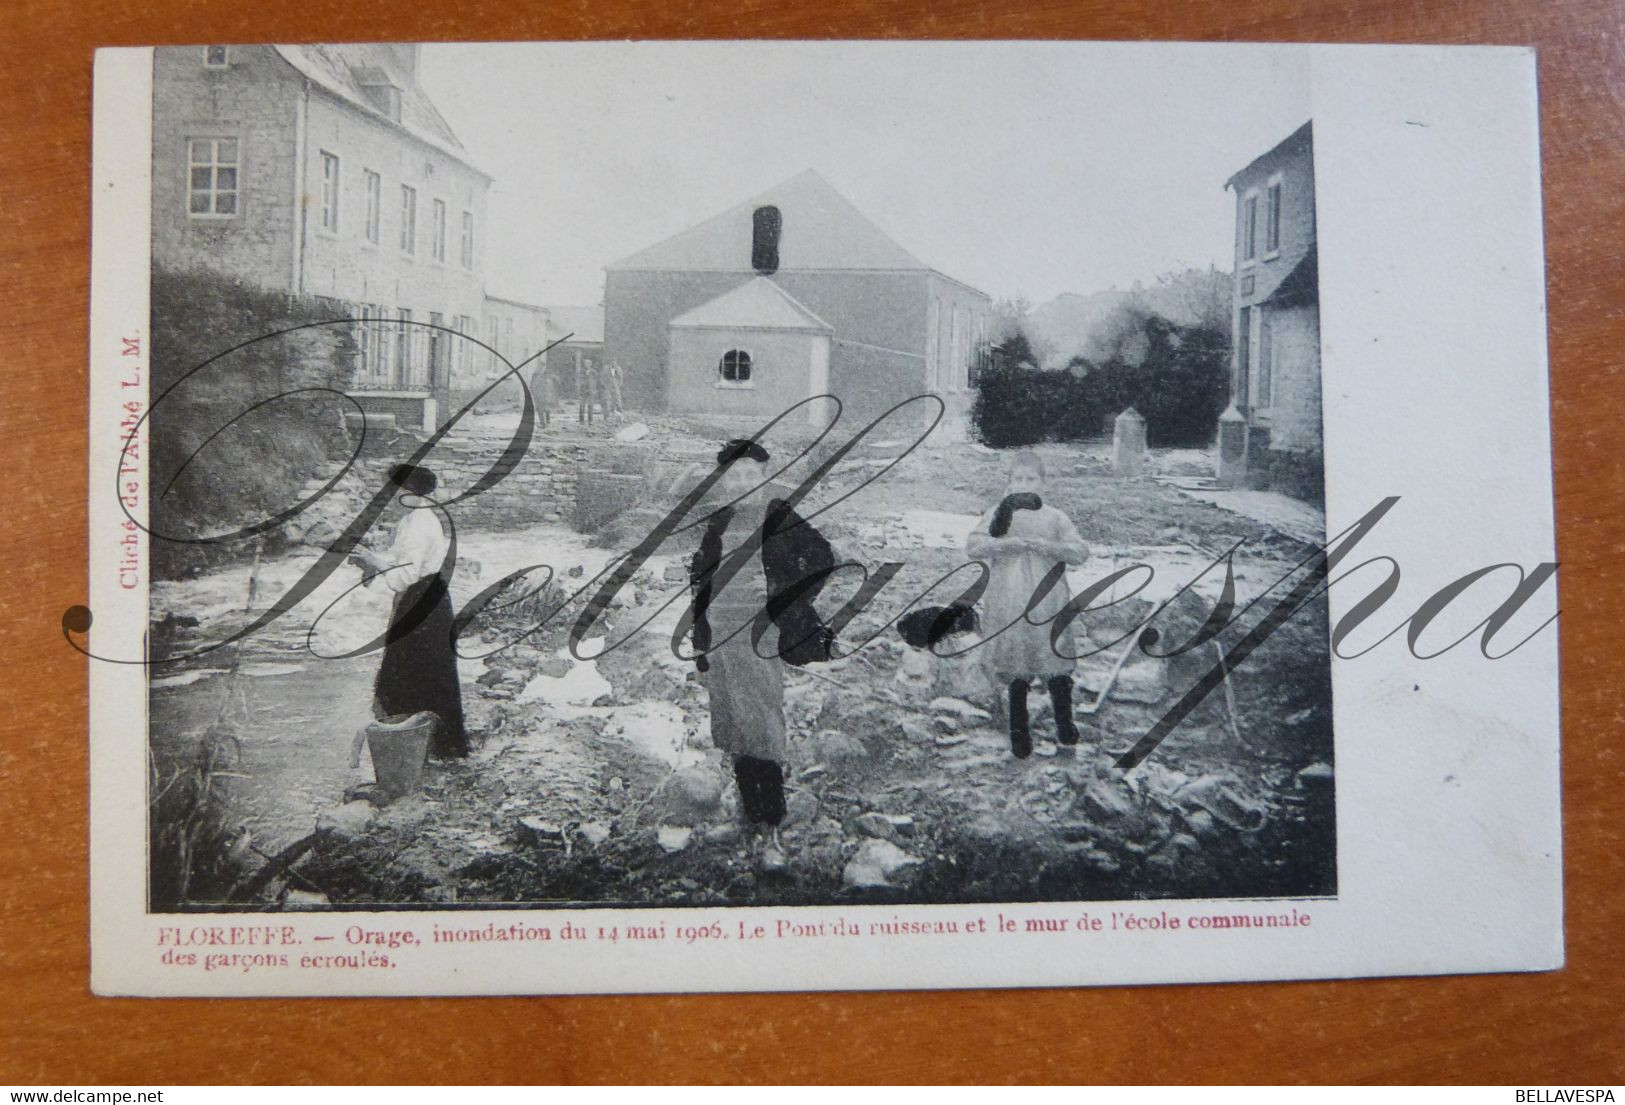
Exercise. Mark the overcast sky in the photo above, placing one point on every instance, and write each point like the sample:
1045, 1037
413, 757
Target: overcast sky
1030, 168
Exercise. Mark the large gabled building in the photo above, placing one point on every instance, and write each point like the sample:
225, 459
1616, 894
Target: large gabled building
791, 293
326, 171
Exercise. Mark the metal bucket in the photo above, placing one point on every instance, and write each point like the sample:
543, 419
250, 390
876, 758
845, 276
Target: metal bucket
399, 746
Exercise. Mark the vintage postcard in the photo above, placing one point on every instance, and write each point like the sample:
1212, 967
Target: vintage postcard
733, 516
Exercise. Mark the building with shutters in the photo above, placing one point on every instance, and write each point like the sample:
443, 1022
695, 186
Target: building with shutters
326, 171
790, 294
1271, 434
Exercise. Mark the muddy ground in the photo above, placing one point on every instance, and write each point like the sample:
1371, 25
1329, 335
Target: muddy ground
594, 782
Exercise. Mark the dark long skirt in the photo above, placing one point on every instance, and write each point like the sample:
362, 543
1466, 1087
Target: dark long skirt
419, 670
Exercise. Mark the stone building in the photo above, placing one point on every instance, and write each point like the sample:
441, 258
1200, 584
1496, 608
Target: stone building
517, 331
1270, 436
326, 171
790, 294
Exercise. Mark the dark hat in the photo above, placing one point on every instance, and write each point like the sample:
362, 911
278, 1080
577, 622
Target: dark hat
413, 478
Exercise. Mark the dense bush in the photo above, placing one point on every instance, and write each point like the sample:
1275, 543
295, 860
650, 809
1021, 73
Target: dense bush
217, 459
1177, 377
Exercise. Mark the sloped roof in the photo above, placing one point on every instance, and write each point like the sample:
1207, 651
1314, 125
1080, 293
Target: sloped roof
1304, 135
821, 230
335, 69
583, 324
757, 304
1300, 286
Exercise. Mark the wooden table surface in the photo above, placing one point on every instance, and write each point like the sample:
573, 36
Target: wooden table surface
1560, 1028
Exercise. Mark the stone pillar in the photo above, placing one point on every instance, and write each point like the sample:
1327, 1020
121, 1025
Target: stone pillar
1232, 469
1128, 443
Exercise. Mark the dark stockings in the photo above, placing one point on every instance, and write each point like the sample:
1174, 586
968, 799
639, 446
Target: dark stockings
1060, 693
761, 789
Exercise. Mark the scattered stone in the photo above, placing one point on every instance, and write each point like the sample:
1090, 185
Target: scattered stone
722, 834
299, 901
576, 571
1301, 716
673, 838
960, 709
593, 832
918, 731
901, 823
1315, 775
536, 833
946, 722
948, 740
346, 821
800, 807
555, 667
690, 797
834, 746
637, 431
876, 863
876, 825
675, 573
1219, 797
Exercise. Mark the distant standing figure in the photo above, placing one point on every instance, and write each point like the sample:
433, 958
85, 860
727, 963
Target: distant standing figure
541, 393
1021, 540
586, 390
419, 668
614, 375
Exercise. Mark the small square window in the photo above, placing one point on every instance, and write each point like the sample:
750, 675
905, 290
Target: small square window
216, 57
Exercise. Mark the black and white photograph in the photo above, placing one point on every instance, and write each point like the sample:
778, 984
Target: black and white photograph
657, 515
1038, 389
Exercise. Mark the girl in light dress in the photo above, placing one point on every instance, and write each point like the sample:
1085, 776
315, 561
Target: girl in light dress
1021, 540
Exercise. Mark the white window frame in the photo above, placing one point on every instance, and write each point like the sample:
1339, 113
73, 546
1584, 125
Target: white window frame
214, 165
329, 221
1248, 223
437, 231
409, 220
748, 383
1274, 198
373, 186
225, 57
466, 249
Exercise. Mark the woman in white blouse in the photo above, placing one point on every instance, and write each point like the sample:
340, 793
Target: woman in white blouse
419, 669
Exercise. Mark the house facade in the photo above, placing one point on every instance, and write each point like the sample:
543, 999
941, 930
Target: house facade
516, 331
579, 334
326, 171
1270, 436
771, 282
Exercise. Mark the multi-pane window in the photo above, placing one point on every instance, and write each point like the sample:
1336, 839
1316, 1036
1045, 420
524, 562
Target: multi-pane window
439, 230
403, 346
330, 192
375, 191
211, 176
1272, 219
1249, 228
382, 345
468, 240
735, 367
216, 57
409, 219
365, 346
